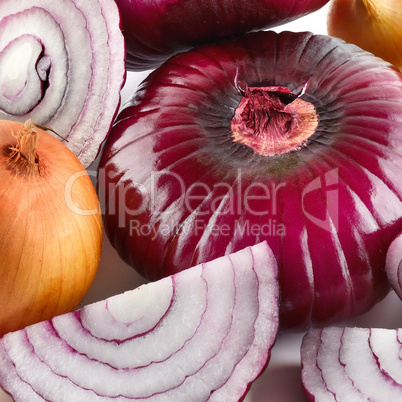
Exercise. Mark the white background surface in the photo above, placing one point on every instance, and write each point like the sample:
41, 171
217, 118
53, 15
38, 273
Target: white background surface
281, 381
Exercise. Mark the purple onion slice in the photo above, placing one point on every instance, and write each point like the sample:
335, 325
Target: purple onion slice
352, 364
202, 334
62, 65
393, 265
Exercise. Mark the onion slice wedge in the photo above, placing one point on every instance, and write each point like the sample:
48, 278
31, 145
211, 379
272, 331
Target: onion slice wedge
352, 364
202, 334
62, 64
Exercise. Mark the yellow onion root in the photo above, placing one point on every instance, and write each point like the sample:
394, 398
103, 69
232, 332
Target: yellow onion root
50, 227
373, 25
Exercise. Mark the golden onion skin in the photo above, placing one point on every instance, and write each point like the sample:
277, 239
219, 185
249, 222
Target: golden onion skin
373, 25
50, 231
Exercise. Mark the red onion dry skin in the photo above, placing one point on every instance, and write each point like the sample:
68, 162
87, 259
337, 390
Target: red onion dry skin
271, 125
393, 265
352, 364
202, 334
176, 189
155, 30
62, 65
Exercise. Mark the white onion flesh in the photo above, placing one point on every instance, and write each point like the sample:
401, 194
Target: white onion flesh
62, 64
202, 334
352, 364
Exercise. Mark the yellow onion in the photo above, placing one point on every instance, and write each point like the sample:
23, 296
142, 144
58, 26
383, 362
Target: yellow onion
373, 25
50, 227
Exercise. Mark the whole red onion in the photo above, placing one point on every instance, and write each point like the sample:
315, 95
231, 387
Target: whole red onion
292, 138
155, 30
393, 265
